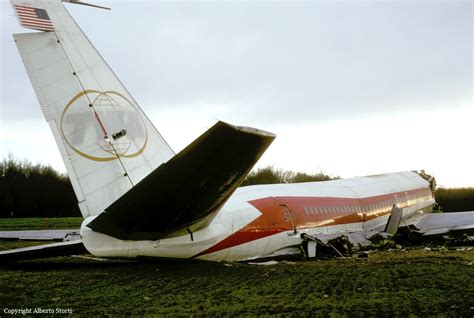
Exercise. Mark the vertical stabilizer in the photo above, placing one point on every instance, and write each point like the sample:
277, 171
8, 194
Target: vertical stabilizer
106, 141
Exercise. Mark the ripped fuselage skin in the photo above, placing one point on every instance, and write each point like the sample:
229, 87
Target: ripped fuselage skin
270, 220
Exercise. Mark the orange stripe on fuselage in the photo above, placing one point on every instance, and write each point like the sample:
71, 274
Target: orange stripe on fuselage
313, 212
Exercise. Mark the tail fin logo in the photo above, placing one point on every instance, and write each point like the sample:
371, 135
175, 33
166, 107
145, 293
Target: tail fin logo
103, 126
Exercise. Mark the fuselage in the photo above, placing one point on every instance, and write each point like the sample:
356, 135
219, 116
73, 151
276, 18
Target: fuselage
268, 220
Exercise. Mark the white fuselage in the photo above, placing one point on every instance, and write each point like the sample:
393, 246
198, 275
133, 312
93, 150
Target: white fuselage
264, 220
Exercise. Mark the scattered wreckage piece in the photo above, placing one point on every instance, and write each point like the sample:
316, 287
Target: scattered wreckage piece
442, 223
418, 229
344, 244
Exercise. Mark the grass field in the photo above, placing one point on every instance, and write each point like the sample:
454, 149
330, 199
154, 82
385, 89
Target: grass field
404, 283
12, 224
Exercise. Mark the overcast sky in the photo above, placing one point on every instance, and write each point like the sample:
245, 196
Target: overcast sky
349, 87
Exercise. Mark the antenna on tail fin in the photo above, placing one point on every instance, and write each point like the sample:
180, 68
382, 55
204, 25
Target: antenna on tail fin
86, 4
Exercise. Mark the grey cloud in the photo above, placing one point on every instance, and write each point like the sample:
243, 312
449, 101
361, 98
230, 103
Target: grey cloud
291, 61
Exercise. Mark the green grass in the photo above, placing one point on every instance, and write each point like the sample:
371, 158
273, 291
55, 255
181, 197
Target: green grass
399, 283
389, 284
13, 224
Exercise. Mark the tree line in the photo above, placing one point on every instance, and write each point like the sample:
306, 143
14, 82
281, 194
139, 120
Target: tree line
454, 200
36, 190
270, 175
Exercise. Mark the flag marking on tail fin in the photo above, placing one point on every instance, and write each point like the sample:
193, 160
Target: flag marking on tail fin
112, 114
34, 18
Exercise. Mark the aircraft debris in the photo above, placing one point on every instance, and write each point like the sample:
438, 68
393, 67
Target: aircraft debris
268, 263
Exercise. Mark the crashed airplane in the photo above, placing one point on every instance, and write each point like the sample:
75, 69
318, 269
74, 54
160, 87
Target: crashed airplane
140, 199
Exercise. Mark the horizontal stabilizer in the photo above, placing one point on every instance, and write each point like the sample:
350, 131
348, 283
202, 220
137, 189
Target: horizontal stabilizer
43, 251
184, 194
41, 235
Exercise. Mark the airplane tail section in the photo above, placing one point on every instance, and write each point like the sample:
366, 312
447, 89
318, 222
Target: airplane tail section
106, 141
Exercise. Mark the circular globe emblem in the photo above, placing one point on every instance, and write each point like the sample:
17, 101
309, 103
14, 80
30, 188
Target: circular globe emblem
103, 126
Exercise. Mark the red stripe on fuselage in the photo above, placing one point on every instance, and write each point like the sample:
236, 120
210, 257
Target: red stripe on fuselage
240, 237
313, 212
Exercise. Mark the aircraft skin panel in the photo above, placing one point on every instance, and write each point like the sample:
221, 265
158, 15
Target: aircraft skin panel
106, 140
358, 187
441, 223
